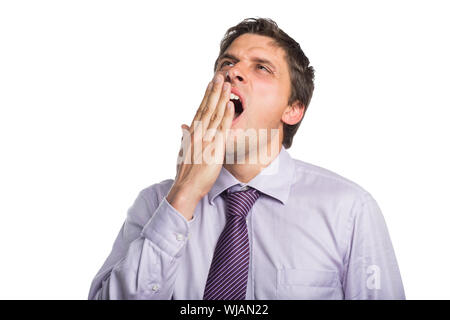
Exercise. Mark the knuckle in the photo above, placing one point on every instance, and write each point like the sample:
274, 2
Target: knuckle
225, 101
215, 89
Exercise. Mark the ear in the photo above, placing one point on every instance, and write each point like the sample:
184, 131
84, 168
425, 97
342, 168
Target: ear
293, 113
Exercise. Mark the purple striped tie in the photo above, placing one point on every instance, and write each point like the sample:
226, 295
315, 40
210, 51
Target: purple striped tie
227, 278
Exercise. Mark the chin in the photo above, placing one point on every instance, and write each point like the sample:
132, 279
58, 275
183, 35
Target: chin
239, 153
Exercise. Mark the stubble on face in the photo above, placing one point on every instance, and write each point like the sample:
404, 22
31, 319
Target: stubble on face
266, 96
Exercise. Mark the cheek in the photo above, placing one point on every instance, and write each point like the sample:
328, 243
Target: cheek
267, 107
270, 95
264, 119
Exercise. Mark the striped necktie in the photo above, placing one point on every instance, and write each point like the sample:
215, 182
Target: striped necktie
227, 278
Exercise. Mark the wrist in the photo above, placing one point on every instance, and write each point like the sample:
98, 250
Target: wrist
183, 200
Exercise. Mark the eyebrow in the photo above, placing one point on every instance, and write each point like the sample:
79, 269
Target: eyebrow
255, 59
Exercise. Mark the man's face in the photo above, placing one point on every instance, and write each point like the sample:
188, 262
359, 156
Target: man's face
257, 69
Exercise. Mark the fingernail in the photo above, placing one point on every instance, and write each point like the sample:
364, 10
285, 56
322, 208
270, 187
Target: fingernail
225, 86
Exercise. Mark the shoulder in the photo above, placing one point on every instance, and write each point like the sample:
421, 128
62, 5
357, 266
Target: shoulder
314, 175
156, 192
147, 201
338, 198
327, 187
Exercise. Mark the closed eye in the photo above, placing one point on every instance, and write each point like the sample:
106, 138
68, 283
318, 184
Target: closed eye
258, 66
225, 62
264, 68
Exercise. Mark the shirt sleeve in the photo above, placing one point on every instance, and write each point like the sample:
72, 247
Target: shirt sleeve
372, 271
145, 257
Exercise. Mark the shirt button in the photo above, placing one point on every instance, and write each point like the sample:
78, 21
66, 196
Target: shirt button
180, 237
155, 287
244, 188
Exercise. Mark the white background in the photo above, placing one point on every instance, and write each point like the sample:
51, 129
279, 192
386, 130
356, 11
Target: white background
93, 93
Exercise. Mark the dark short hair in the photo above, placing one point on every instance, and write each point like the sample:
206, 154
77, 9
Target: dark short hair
301, 73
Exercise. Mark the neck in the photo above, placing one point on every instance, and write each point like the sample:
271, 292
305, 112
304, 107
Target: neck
247, 171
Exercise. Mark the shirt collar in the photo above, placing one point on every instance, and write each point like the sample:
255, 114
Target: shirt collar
274, 180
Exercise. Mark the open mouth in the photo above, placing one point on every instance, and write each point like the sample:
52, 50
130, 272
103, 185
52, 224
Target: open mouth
238, 108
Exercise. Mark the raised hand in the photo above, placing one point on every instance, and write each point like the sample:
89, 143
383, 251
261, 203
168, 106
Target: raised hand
204, 148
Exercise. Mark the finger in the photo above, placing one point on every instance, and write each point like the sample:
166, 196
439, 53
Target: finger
216, 117
202, 104
211, 104
185, 145
184, 128
227, 119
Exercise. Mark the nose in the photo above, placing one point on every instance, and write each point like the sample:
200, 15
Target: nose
233, 74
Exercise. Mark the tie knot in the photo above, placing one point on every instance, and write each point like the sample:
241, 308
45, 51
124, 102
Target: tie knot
239, 203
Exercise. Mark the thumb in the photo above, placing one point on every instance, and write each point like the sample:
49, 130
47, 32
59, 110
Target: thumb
183, 128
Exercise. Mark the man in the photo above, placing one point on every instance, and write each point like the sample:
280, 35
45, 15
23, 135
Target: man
237, 223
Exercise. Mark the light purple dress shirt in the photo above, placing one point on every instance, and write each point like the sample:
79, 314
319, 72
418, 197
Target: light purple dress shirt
313, 235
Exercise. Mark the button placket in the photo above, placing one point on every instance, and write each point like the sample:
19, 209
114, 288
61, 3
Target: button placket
179, 237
